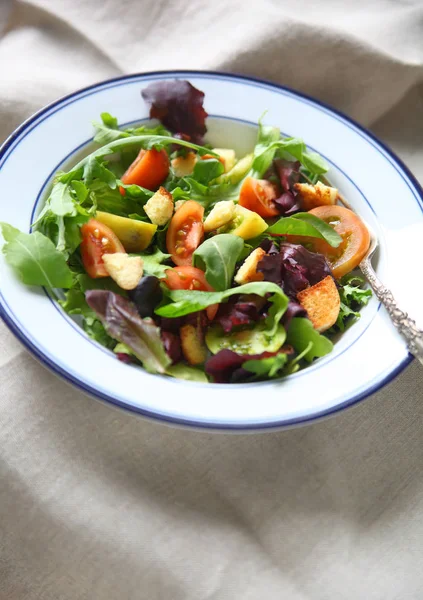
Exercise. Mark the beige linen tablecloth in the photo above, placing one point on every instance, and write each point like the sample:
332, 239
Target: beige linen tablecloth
96, 504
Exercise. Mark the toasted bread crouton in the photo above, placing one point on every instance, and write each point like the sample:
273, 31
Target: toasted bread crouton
125, 270
316, 195
222, 213
184, 165
193, 347
229, 157
322, 303
159, 208
248, 270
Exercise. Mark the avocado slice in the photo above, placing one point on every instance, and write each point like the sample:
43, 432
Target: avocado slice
246, 341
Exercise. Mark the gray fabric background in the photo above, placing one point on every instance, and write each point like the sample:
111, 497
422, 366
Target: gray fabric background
96, 504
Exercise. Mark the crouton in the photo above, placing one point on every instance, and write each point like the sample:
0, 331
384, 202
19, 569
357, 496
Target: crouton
222, 213
125, 270
229, 157
322, 303
316, 195
184, 165
193, 347
248, 270
159, 208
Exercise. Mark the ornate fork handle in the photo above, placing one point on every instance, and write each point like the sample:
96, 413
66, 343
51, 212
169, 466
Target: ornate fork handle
406, 326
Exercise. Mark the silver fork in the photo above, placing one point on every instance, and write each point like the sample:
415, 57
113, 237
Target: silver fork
405, 325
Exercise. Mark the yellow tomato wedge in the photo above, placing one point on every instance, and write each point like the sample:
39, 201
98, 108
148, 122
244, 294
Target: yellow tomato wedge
246, 224
134, 235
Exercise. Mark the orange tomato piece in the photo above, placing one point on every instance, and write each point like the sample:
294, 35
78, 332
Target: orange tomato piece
149, 169
258, 195
355, 238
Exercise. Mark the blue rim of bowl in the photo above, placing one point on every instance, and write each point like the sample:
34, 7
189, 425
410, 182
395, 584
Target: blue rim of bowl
279, 424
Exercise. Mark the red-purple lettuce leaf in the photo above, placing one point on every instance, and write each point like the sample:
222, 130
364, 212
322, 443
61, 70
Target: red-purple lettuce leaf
245, 310
122, 322
179, 106
288, 172
294, 268
172, 345
227, 366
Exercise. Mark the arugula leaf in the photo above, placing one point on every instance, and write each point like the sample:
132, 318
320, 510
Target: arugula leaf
75, 303
86, 283
352, 298
107, 131
153, 263
207, 170
96, 331
35, 260
217, 256
94, 169
182, 371
269, 143
264, 150
301, 332
9, 232
294, 365
267, 367
121, 321
61, 202
327, 232
81, 190
314, 163
307, 225
109, 120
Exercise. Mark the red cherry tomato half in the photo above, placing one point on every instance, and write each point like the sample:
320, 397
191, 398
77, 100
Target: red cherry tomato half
97, 240
190, 278
185, 233
258, 195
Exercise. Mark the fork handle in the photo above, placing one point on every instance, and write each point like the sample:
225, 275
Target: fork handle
405, 325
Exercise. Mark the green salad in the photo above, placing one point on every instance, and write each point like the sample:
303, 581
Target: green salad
192, 262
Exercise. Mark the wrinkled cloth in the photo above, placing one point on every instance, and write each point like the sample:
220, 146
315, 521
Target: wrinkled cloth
96, 504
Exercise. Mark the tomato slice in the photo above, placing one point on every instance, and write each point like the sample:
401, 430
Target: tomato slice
354, 233
258, 195
149, 169
185, 232
190, 278
97, 240
187, 278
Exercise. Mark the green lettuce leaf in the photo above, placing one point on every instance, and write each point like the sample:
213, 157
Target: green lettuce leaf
353, 297
184, 302
153, 263
267, 368
218, 256
35, 259
301, 332
308, 225
207, 170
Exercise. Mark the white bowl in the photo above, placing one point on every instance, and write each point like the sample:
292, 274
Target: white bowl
371, 177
